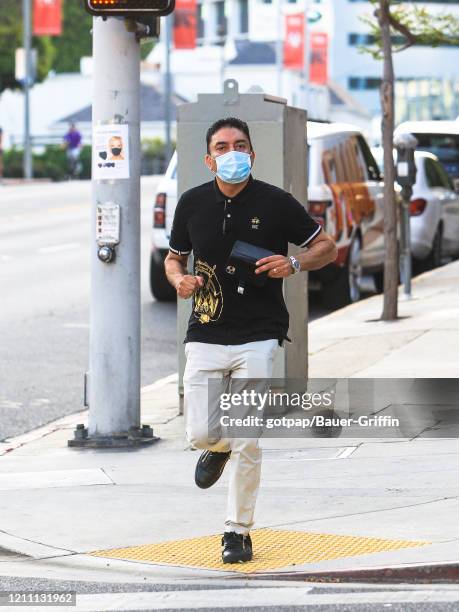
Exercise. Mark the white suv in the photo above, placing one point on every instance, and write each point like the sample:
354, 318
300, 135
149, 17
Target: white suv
441, 138
345, 194
163, 215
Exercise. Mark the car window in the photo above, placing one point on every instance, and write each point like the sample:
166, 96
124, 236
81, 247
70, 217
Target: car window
445, 179
444, 146
370, 162
358, 160
434, 178
329, 168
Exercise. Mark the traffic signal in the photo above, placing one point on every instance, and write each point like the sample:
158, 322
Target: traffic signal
129, 8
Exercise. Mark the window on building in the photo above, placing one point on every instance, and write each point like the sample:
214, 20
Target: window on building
363, 83
222, 26
358, 38
243, 16
200, 22
266, 1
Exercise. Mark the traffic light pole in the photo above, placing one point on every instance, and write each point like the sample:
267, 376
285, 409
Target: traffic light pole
113, 382
168, 87
27, 36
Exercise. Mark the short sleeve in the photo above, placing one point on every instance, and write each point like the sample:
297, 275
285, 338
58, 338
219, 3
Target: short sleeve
180, 242
300, 227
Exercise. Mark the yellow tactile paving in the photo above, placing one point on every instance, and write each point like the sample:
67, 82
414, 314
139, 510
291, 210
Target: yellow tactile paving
273, 549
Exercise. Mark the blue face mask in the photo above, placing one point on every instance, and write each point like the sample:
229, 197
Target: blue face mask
233, 167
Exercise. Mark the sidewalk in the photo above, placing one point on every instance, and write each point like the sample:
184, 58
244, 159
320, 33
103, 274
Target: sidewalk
324, 504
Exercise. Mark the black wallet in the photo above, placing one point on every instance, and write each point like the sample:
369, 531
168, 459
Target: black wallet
241, 264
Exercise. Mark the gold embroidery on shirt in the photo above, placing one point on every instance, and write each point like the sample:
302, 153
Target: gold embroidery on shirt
255, 223
208, 300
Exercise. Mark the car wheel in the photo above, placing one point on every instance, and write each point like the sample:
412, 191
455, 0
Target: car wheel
346, 288
433, 260
160, 287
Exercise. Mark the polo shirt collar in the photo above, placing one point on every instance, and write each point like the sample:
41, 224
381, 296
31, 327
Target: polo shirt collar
241, 197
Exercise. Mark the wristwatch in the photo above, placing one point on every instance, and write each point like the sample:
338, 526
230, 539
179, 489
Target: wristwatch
296, 266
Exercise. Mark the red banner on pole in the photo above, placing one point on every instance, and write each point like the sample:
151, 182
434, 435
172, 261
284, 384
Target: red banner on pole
185, 24
47, 17
318, 64
294, 41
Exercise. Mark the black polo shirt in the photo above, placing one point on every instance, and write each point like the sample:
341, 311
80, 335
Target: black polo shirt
260, 214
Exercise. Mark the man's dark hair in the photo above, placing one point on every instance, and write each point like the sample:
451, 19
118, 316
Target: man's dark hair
232, 122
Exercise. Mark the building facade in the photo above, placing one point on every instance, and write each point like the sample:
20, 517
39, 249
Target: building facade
427, 78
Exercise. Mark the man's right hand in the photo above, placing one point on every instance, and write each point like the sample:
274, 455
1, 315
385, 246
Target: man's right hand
188, 284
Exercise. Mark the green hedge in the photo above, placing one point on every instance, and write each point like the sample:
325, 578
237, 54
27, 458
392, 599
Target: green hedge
154, 156
52, 163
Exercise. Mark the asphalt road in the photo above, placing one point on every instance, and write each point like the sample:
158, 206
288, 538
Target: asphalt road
44, 303
234, 596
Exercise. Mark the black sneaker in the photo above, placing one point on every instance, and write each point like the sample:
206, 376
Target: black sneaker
209, 468
236, 548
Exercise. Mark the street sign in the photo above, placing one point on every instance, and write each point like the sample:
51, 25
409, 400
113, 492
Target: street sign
20, 67
129, 8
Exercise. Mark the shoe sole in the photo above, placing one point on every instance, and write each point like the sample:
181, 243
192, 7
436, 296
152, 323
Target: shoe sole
207, 486
233, 561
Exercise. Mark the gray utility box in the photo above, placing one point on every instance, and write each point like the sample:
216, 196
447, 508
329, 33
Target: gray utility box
278, 134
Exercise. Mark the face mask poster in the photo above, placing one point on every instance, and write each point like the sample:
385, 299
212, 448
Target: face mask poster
110, 152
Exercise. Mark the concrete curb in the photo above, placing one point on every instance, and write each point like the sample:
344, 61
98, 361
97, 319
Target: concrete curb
29, 548
413, 574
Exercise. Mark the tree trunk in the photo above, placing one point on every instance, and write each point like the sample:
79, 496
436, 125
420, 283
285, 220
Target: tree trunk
387, 127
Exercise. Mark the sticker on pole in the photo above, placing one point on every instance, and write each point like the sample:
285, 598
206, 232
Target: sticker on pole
108, 224
111, 152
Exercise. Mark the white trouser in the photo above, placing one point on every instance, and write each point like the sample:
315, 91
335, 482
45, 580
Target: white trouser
228, 363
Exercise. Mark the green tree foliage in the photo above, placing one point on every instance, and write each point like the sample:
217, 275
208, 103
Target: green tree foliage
11, 39
410, 24
76, 40
59, 53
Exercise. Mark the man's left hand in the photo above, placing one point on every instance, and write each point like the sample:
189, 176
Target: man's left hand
277, 266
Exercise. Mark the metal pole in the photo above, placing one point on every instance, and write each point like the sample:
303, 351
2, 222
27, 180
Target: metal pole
279, 49
222, 64
453, 91
168, 87
27, 42
418, 107
114, 344
406, 246
307, 46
